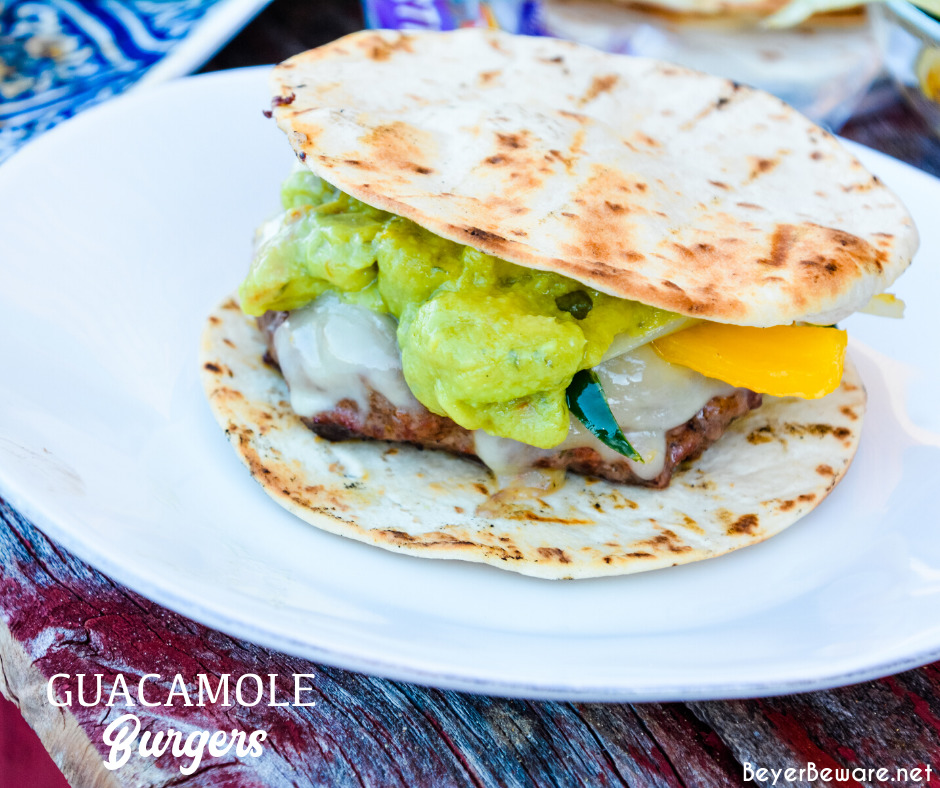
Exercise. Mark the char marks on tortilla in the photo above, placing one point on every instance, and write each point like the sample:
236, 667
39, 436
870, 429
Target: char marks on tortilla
769, 469
646, 180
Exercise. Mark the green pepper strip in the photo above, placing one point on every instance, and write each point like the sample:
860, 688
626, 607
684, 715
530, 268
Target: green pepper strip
578, 304
586, 400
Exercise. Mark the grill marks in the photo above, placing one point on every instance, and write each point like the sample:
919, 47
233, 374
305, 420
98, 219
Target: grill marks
746, 524
779, 246
545, 538
599, 85
518, 182
720, 104
518, 163
603, 226
401, 146
796, 249
513, 141
760, 165
381, 48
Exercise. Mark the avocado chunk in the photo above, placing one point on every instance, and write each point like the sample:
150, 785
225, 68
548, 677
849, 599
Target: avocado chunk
491, 344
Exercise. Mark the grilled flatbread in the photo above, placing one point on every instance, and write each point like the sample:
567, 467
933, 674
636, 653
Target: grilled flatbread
768, 470
645, 180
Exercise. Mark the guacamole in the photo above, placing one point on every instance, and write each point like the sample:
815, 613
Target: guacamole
491, 344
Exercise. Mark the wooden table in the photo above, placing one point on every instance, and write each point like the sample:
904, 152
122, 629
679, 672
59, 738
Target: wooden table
60, 616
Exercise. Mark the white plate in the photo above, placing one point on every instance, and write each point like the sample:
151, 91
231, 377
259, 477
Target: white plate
123, 227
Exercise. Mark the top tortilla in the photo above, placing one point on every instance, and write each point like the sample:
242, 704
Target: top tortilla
645, 180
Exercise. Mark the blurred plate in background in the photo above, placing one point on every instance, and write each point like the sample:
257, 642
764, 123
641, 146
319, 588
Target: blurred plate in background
823, 66
910, 40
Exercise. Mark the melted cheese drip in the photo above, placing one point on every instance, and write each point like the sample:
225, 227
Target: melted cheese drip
648, 397
330, 351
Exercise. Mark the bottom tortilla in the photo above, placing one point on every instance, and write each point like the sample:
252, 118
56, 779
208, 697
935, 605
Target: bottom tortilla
771, 468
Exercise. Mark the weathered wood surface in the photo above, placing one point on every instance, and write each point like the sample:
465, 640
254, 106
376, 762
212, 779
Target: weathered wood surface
58, 615
884, 122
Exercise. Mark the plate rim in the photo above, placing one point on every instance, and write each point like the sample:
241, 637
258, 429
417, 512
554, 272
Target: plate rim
211, 616
583, 692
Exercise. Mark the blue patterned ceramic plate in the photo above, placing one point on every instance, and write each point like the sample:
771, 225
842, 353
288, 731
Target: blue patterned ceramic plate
58, 57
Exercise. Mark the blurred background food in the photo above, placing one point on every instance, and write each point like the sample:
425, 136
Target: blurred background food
909, 38
58, 57
821, 56
822, 66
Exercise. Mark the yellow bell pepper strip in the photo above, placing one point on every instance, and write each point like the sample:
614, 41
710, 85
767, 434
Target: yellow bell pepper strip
784, 361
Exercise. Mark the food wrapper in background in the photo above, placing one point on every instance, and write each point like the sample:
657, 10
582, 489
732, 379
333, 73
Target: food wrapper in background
508, 15
822, 67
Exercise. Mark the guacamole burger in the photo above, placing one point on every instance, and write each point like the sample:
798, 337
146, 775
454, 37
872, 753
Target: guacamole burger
531, 254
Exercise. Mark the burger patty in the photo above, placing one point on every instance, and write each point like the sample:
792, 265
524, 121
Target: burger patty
383, 421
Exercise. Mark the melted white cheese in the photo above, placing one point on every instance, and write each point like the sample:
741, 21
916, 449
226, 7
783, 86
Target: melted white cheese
624, 343
647, 396
329, 351
506, 457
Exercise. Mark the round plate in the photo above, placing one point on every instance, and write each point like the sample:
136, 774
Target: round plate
122, 229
